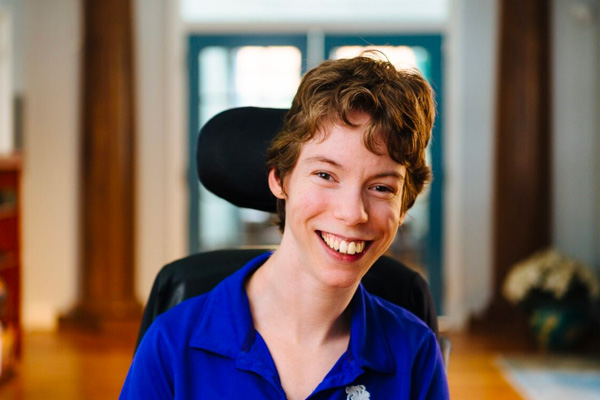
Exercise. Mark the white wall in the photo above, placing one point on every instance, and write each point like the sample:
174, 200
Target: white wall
576, 137
470, 106
50, 207
6, 82
162, 140
14, 8
316, 12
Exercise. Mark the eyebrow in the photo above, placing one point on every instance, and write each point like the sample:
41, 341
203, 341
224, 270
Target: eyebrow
392, 174
386, 174
325, 160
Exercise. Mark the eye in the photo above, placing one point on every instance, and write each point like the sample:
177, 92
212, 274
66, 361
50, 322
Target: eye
383, 189
324, 175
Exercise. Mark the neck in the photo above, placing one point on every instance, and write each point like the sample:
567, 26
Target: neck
286, 300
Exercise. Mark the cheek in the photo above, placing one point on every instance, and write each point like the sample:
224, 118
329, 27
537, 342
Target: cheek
387, 218
306, 202
309, 202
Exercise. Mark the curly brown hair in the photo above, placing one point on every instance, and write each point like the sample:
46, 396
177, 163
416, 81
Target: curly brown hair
399, 102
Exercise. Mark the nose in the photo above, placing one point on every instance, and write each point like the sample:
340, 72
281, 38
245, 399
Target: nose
350, 208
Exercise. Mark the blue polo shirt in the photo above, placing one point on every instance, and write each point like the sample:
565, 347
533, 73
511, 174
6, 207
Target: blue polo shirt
207, 348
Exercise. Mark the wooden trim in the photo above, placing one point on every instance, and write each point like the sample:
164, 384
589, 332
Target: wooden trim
12, 161
106, 290
522, 218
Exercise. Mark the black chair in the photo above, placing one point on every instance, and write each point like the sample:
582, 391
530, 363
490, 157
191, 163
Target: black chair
231, 164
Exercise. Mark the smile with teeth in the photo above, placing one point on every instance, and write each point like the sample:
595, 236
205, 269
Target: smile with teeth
343, 246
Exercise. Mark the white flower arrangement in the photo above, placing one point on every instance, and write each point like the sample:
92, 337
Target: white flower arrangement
550, 276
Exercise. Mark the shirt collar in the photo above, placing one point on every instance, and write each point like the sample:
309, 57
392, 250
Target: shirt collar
226, 326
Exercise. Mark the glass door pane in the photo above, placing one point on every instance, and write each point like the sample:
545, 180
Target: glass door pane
261, 76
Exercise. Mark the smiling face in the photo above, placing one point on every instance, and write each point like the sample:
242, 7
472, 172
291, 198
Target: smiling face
343, 205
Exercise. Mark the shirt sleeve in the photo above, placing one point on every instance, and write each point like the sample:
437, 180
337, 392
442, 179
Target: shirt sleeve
150, 376
429, 377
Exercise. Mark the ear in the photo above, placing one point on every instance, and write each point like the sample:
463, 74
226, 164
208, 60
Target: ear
275, 185
402, 216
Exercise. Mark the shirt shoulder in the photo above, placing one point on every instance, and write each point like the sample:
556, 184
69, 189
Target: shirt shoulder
396, 318
177, 325
406, 333
219, 316
415, 349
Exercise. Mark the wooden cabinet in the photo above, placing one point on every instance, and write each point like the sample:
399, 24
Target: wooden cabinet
10, 268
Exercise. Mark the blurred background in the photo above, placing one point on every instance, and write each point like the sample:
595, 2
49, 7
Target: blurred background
518, 102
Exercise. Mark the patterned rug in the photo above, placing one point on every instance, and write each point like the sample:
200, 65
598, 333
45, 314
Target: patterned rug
552, 377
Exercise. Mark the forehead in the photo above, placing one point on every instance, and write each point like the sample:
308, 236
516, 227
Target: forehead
340, 137
345, 146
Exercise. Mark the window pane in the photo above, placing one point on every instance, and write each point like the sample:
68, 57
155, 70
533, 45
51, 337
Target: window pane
267, 76
261, 76
400, 56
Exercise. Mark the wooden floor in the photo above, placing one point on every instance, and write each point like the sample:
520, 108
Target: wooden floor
72, 365
473, 373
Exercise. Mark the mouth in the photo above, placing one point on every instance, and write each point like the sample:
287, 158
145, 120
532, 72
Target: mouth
343, 246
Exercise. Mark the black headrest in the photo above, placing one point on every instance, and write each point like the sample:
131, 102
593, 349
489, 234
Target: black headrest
231, 155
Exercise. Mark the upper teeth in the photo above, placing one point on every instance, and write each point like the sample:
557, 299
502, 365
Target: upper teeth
343, 246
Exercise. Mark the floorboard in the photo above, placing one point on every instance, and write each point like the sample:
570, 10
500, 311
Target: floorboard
68, 365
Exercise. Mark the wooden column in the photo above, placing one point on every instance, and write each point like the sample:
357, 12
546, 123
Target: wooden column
522, 218
106, 292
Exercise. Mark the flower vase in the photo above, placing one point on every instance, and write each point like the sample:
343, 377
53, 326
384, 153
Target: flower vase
559, 327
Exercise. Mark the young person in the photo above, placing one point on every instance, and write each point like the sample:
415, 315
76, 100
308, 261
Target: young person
296, 323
